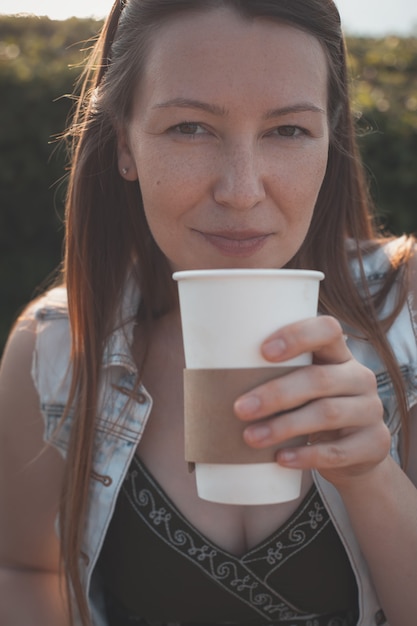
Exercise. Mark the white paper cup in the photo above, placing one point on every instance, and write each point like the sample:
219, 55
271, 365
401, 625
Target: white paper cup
250, 483
226, 315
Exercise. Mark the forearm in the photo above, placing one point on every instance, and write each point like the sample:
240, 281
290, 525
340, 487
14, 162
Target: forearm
30, 598
383, 510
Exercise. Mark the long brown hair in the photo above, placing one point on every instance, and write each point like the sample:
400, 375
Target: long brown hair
107, 233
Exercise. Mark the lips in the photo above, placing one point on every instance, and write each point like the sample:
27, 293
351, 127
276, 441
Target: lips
236, 243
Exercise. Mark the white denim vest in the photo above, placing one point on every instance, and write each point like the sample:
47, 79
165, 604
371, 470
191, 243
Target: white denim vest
120, 424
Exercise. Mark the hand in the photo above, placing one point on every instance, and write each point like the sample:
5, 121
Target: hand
334, 402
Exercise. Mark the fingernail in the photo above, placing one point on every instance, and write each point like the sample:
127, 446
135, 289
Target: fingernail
257, 433
273, 349
287, 457
247, 405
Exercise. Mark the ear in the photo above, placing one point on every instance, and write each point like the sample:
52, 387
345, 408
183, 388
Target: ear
126, 162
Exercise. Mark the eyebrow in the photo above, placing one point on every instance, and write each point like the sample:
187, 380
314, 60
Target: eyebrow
187, 103
303, 107
215, 109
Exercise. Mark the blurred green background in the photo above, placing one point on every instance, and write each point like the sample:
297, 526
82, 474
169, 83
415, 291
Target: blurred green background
39, 65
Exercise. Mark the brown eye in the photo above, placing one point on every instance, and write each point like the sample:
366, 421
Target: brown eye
188, 128
288, 131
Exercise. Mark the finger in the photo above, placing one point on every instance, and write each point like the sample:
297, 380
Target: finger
334, 417
323, 336
304, 385
343, 458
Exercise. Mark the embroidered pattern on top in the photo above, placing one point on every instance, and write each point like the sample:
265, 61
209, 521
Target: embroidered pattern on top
230, 572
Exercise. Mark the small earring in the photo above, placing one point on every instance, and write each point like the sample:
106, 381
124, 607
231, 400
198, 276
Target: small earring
125, 170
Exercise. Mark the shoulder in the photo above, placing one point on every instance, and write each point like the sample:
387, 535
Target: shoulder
52, 354
20, 409
36, 370
51, 305
23, 338
376, 259
30, 467
43, 333
383, 271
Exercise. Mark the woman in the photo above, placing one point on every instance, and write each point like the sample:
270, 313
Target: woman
212, 134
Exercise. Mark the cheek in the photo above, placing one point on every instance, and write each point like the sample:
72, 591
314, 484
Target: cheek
164, 177
164, 205
171, 186
307, 181
156, 187
301, 192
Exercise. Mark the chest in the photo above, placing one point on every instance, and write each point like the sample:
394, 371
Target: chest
234, 528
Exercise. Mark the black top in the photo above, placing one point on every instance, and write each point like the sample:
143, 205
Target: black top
159, 569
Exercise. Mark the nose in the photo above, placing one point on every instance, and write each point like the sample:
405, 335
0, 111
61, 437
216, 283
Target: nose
240, 181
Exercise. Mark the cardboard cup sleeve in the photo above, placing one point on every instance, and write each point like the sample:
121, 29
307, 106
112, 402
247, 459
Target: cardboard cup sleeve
213, 433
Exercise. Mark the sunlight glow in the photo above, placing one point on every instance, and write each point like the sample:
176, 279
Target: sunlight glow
359, 17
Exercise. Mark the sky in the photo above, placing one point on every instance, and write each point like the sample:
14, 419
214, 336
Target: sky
360, 17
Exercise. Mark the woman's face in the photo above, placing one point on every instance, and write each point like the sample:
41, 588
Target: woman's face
229, 140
